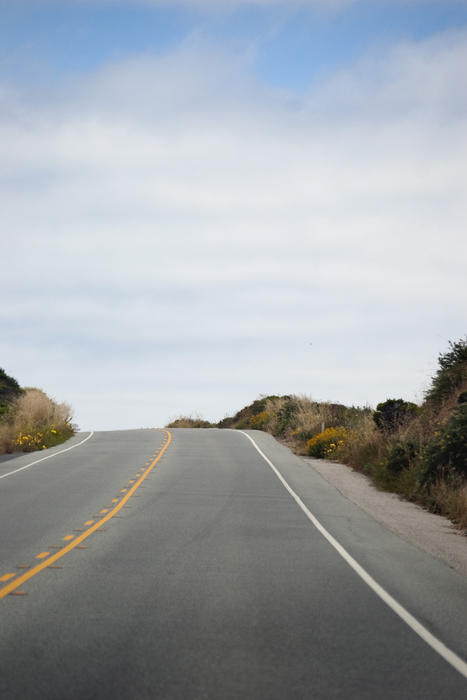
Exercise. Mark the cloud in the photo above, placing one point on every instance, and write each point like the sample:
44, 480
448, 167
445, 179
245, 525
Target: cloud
175, 234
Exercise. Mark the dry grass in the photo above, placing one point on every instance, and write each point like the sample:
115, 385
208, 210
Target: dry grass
367, 447
36, 415
450, 500
421, 428
7, 438
189, 422
311, 416
35, 409
272, 409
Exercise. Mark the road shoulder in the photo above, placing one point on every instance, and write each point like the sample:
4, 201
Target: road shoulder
432, 533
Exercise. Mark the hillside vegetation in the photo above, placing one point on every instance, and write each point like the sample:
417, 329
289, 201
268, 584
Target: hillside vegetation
418, 452
29, 419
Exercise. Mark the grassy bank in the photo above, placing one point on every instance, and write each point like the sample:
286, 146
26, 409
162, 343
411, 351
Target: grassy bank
416, 451
29, 419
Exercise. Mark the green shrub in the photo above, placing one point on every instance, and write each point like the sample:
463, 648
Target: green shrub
9, 390
392, 414
447, 451
408, 483
401, 456
286, 418
383, 478
452, 373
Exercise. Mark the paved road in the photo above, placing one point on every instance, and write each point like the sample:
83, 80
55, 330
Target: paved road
212, 583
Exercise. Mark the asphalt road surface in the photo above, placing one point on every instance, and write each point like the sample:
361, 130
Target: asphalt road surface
140, 564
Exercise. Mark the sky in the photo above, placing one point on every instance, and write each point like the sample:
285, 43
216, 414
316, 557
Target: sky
207, 201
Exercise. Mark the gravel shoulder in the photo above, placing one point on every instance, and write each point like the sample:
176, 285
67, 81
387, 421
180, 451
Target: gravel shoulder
432, 533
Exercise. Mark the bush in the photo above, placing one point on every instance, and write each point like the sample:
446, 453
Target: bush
401, 456
9, 390
326, 444
286, 417
190, 422
452, 373
242, 419
392, 414
260, 420
447, 451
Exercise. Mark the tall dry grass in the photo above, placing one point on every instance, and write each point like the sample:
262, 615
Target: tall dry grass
311, 416
193, 421
366, 448
450, 500
305, 420
34, 409
34, 421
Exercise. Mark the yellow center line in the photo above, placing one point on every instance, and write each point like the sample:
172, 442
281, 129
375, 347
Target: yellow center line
7, 577
10, 587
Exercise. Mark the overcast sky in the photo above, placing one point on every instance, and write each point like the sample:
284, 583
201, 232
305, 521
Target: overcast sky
202, 202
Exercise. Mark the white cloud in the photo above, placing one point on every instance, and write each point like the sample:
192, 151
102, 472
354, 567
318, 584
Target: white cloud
175, 234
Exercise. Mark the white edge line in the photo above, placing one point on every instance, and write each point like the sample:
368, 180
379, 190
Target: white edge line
3, 476
438, 646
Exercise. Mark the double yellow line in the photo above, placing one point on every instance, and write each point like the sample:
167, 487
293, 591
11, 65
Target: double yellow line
13, 585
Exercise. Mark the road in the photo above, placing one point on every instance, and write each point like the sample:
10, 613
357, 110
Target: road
142, 564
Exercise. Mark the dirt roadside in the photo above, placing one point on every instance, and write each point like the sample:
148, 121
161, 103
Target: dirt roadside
430, 532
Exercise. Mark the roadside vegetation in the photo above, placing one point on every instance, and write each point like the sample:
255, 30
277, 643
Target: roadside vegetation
29, 419
416, 451
190, 422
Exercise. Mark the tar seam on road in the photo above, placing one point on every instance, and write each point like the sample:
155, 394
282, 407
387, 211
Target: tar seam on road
9, 588
436, 644
3, 476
